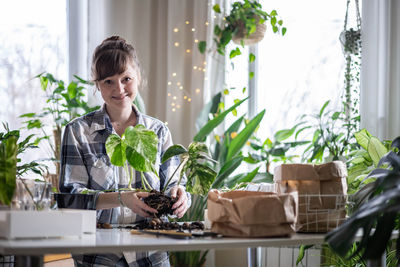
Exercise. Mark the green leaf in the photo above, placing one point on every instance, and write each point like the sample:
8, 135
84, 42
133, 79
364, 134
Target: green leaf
243, 178
210, 125
202, 46
72, 90
235, 52
141, 148
376, 149
172, 151
210, 108
228, 168
226, 92
8, 168
323, 108
251, 75
116, 150
283, 31
302, 250
43, 82
284, 134
240, 140
217, 8
252, 57
362, 138
273, 13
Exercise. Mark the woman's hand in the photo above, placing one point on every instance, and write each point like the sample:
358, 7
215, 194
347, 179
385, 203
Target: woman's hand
133, 200
180, 206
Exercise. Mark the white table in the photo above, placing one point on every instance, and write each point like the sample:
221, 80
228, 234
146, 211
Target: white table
117, 240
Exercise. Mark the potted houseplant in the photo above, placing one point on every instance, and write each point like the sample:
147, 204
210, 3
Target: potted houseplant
64, 102
245, 25
11, 168
137, 149
377, 216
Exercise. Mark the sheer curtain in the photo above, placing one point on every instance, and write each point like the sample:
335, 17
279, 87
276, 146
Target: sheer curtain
380, 81
165, 34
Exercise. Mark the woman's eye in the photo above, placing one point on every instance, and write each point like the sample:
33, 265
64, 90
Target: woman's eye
127, 79
107, 81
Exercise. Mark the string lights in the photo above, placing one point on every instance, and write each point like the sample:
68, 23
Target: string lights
175, 82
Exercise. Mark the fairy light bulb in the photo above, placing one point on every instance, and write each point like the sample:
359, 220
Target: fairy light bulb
196, 41
169, 83
169, 94
193, 29
188, 51
176, 30
174, 98
176, 44
206, 23
197, 90
181, 87
174, 74
185, 97
187, 22
195, 67
173, 110
178, 83
189, 99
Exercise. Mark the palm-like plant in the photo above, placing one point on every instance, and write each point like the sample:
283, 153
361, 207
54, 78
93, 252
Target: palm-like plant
378, 214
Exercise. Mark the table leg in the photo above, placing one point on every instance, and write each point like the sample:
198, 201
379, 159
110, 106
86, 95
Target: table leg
28, 261
253, 257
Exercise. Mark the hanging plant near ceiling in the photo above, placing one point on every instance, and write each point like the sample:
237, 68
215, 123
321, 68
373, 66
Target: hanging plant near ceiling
350, 38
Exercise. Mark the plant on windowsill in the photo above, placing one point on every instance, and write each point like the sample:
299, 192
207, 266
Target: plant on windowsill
245, 25
331, 135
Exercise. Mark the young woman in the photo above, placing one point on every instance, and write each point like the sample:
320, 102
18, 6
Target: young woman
85, 164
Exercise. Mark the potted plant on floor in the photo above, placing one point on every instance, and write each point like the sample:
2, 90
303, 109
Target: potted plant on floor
377, 217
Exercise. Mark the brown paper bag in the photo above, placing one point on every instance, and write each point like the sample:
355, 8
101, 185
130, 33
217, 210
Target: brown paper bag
318, 212
252, 214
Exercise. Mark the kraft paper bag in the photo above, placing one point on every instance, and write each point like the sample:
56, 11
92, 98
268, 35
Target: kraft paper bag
317, 211
252, 214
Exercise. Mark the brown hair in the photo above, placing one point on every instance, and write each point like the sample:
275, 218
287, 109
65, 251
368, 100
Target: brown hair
111, 57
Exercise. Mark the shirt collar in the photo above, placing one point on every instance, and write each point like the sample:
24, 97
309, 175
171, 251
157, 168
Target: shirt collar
101, 120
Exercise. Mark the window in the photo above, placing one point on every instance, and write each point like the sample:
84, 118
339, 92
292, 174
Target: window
32, 41
298, 72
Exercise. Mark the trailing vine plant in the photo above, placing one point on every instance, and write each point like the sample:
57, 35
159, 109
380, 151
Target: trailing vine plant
351, 45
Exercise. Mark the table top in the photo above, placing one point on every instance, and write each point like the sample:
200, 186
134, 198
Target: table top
118, 240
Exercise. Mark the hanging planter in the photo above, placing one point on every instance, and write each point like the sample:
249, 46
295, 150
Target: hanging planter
351, 41
244, 25
249, 39
351, 38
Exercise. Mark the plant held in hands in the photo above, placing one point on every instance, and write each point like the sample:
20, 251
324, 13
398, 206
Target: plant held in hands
195, 163
135, 149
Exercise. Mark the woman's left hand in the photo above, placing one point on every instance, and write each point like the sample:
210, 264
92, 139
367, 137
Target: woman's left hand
180, 206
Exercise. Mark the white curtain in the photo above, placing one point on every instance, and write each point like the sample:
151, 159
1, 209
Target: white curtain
380, 75
164, 33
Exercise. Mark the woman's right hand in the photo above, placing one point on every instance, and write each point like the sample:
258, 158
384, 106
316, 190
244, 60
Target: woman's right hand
133, 200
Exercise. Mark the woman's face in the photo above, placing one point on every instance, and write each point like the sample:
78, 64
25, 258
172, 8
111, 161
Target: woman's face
120, 90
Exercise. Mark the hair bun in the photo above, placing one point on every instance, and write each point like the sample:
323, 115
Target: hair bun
115, 38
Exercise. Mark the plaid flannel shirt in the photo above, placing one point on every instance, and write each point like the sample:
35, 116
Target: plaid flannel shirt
86, 165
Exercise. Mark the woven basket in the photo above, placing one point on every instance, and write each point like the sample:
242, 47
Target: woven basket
253, 38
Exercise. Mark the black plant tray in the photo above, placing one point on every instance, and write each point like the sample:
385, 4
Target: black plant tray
75, 201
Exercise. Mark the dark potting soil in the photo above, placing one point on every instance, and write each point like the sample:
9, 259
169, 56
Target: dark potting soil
162, 203
157, 224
